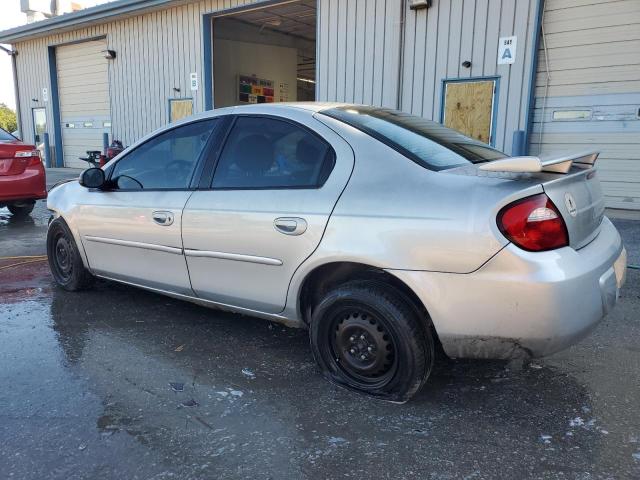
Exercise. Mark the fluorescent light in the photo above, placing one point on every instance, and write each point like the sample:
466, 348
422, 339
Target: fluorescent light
307, 80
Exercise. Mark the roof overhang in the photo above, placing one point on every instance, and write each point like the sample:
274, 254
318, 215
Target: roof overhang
83, 18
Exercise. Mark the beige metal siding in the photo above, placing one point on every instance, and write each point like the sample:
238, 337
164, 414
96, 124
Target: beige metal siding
360, 58
359, 51
593, 58
83, 89
156, 52
439, 39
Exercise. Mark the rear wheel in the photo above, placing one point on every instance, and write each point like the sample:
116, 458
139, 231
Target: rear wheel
367, 337
64, 258
22, 209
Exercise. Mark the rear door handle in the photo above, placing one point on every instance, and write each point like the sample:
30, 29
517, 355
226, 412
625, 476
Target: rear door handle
290, 225
163, 218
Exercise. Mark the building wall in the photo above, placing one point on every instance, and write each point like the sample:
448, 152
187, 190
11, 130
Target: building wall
359, 51
156, 52
439, 39
360, 61
591, 67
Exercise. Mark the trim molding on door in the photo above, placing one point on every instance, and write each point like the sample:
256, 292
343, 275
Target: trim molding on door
129, 243
233, 256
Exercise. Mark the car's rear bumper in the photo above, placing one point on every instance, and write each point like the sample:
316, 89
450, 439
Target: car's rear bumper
523, 303
29, 185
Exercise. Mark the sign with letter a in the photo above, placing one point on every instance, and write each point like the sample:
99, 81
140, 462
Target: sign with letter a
507, 50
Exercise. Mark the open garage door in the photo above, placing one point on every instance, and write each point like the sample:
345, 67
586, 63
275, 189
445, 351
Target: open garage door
83, 90
265, 54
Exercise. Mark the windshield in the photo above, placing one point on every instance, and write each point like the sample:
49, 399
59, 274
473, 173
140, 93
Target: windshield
5, 137
425, 142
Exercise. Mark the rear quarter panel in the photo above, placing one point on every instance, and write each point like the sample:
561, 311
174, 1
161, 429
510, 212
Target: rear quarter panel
395, 214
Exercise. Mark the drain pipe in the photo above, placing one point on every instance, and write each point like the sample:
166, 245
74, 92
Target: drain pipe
401, 55
12, 54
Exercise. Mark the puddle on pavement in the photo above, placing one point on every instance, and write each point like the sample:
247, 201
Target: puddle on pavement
172, 383
26, 278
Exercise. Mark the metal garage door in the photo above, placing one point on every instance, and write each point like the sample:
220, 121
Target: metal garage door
588, 90
83, 88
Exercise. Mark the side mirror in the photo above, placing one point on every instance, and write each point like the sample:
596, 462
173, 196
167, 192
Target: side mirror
92, 178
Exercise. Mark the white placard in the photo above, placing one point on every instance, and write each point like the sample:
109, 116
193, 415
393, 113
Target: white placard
194, 81
507, 50
45, 95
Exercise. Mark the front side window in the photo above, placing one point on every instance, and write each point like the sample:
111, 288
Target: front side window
425, 142
164, 162
263, 152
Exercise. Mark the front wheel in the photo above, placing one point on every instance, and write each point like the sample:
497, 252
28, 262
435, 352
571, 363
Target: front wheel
64, 258
367, 337
21, 210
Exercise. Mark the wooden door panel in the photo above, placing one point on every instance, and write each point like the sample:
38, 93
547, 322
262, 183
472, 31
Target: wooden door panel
469, 108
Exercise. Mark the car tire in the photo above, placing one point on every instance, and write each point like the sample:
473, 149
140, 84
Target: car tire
65, 262
367, 336
21, 210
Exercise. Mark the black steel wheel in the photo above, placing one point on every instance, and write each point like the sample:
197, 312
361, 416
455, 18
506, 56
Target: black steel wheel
64, 258
366, 336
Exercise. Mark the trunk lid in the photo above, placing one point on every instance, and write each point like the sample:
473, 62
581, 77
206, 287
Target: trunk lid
571, 182
9, 164
578, 196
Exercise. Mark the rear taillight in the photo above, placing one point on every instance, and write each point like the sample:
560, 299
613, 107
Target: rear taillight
534, 224
32, 156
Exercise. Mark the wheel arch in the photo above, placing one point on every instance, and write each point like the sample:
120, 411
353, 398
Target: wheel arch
327, 276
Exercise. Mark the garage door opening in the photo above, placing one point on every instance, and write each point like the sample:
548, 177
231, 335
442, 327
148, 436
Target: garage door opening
265, 55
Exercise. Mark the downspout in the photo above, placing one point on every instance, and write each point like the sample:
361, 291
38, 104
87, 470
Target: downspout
13, 54
532, 77
401, 55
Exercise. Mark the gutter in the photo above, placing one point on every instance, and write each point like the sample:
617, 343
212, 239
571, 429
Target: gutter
532, 77
14, 68
98, 14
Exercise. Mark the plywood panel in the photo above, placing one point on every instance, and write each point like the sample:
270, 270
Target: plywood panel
468, 108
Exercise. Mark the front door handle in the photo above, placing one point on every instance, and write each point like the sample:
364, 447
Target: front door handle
163, 218
290, 225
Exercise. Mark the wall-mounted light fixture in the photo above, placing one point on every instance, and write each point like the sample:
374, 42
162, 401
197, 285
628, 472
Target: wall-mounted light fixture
109, 54
419, 4
466, 64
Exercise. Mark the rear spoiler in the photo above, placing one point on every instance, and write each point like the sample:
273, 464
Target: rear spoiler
536, 164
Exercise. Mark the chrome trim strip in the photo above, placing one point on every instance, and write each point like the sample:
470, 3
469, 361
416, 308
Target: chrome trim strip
233, 256
129, 243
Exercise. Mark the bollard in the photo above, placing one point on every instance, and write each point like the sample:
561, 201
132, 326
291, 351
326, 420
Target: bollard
47, 150
518, 146
105, 142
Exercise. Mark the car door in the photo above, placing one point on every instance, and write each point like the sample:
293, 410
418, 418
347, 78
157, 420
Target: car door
275, 185
131, 231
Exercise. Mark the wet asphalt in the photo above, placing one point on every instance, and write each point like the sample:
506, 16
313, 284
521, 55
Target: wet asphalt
120, 383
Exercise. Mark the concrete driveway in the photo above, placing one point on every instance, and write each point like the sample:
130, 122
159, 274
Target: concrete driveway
120, 383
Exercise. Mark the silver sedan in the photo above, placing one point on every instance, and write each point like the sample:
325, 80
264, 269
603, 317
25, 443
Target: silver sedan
388, 236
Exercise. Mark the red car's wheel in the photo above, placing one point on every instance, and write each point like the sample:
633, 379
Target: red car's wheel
21, 210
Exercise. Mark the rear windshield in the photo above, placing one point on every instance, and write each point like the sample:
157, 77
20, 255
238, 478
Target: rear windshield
425, 142
5, 137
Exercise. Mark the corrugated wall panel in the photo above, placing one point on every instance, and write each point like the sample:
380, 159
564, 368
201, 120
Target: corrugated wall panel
593, 58
359, 51
439, 39
156, 52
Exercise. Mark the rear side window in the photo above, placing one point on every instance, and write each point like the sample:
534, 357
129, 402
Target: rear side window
263, 152
425, 142
5, 137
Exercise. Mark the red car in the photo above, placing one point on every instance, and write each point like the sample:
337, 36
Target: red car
22, 175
